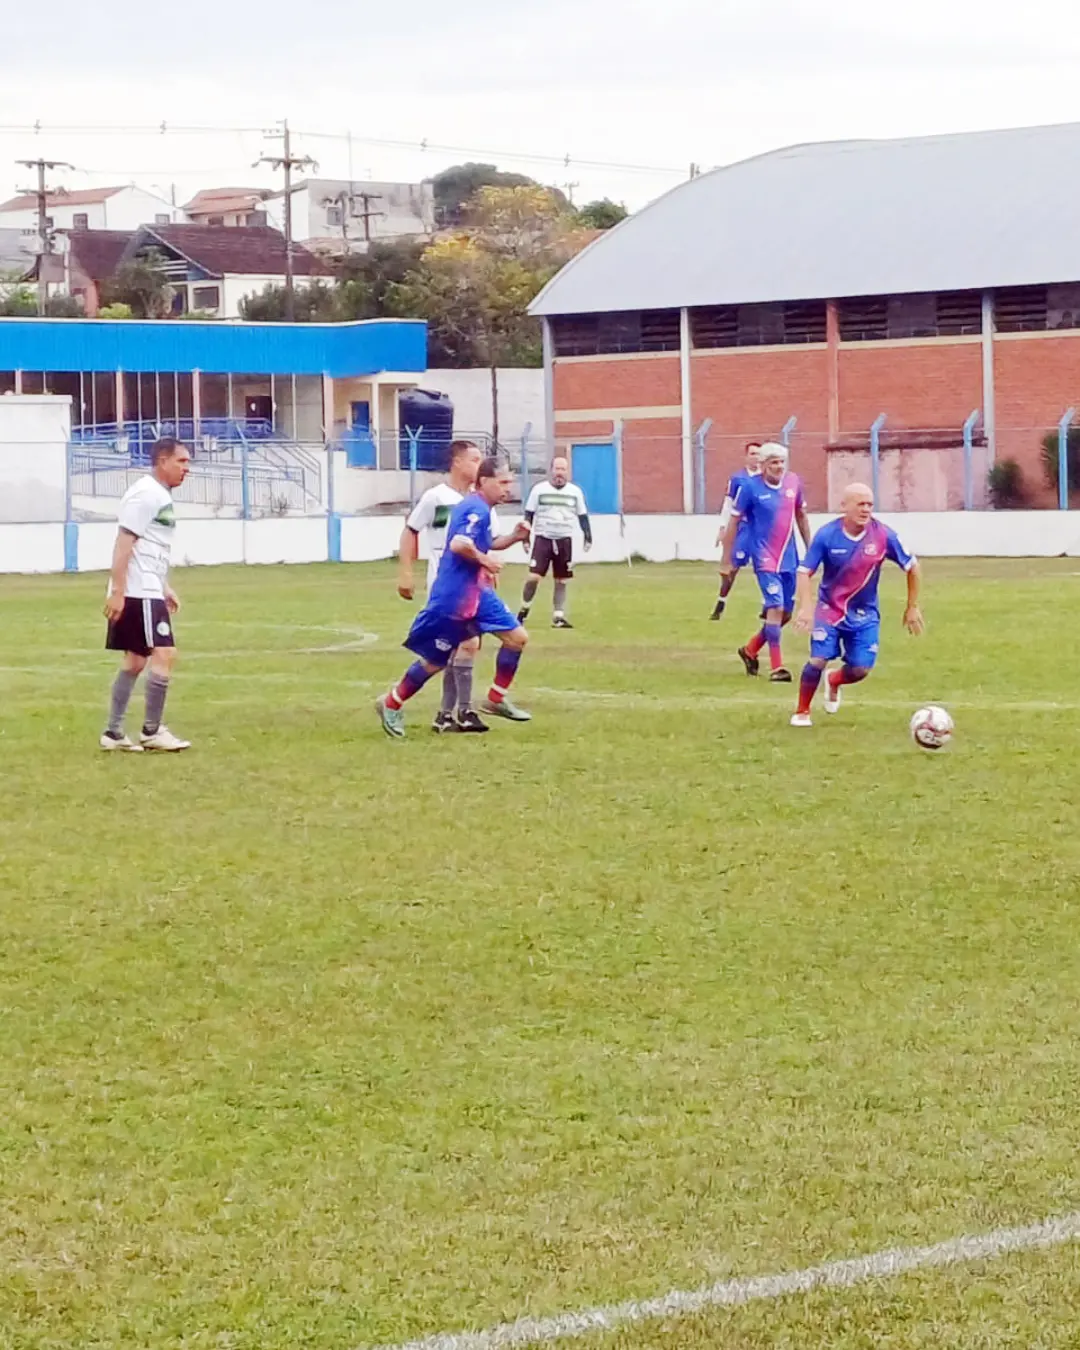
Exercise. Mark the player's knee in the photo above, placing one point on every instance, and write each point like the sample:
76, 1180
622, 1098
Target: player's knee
786, 617
818, 662
466, 653
517, 640
162, 660
134, 664
856, 673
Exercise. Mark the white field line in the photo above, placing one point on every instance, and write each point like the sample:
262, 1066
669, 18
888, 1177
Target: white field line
612, 699
734, 1293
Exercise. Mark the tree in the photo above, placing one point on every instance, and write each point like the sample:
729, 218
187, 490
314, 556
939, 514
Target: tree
20, 302
456, 186
602, 214
317, 302
115, 311
143, 284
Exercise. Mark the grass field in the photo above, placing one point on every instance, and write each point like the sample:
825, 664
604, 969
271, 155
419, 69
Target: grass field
311, 1039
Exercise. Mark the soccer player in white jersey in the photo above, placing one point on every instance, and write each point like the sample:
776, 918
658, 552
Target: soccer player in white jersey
553, 509
140, 604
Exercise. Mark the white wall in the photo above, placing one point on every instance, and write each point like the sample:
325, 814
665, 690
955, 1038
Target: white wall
124, 210
1011, 534
521, 400
34, 434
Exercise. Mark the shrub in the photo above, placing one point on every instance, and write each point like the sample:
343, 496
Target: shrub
1005, 483
1072, 455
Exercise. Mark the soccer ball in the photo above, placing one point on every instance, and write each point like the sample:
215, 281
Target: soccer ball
931, 728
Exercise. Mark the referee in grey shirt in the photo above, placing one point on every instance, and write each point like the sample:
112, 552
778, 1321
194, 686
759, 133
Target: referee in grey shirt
552, 510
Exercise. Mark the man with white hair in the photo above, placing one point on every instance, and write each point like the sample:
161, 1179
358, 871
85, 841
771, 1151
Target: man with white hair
771, 505
847, 622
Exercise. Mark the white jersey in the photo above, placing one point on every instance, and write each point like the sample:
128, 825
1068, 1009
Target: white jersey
146, 511
556, 510
429, 518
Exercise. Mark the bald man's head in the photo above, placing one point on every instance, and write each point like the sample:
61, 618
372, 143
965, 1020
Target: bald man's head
857, 504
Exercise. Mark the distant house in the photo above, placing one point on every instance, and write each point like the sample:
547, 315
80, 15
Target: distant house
228, 206
213, 267
339, 216
16, 254
109, 208
82, 261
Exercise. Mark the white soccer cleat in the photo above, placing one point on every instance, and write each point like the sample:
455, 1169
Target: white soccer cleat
121, 742
801, 720
163, 739
832, 695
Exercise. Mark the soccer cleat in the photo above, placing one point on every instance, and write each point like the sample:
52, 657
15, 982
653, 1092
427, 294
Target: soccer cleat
718, 609
752, 664
833, 695
522, 615
801, 720
117, 741
561, 621
471, 721
506, 709
443, 721
392, 719
163, 739
781, 675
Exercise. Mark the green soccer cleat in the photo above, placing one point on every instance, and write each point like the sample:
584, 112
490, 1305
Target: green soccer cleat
507, 710
392, 719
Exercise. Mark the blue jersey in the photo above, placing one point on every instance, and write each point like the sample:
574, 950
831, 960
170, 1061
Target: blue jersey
770, 514
851, 569
460, 581
736, 481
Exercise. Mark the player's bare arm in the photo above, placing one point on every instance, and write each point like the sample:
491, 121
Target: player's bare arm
913, 619
804, 602
803, 522
465, 548
408, 552
518, 535
122, 551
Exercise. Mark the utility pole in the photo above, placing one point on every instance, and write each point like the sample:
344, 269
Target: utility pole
366, 215
44, 234
288, 161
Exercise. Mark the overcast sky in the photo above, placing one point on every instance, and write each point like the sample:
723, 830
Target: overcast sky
612, 81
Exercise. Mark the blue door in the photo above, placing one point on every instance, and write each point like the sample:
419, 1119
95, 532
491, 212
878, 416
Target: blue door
595, 470
359, 444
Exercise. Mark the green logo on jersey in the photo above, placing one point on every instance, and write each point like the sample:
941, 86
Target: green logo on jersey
441, 518
557, 499
166, 516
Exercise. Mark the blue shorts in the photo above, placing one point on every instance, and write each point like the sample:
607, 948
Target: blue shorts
434, 637
777, 590
857, 644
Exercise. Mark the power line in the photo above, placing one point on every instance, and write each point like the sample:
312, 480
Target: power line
566, 160
44, 224
287, 161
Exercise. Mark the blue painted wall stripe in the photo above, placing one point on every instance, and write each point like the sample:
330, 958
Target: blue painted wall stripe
339, 350
71, 546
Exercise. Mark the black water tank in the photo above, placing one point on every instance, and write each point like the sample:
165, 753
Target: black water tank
432, 414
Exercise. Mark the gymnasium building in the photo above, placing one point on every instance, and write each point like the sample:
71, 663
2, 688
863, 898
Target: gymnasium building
921, 295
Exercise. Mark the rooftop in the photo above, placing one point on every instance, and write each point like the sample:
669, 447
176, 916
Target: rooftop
27, 201
234, 250
846, 218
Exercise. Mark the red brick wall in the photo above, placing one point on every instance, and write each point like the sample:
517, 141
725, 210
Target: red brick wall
750, 395
1035, 379
930, 385
652, 465
568, 431
643, 382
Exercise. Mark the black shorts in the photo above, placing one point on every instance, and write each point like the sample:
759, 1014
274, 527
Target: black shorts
557, 554
144, 625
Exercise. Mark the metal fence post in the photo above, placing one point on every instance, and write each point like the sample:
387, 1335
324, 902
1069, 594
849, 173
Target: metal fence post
875, 455
245, 481
414, 437
618, 441
701, 504
526, 436
969, 452
71, 528
788, 430
1063, 458
333, 520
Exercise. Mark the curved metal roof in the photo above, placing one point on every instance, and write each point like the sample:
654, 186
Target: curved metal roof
845, 218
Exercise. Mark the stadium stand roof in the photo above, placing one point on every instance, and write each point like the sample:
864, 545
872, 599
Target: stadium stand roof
845, 218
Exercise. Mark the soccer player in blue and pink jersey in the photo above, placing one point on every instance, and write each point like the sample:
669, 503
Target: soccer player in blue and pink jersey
772, 506
751, 468
463, 603
850, 552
